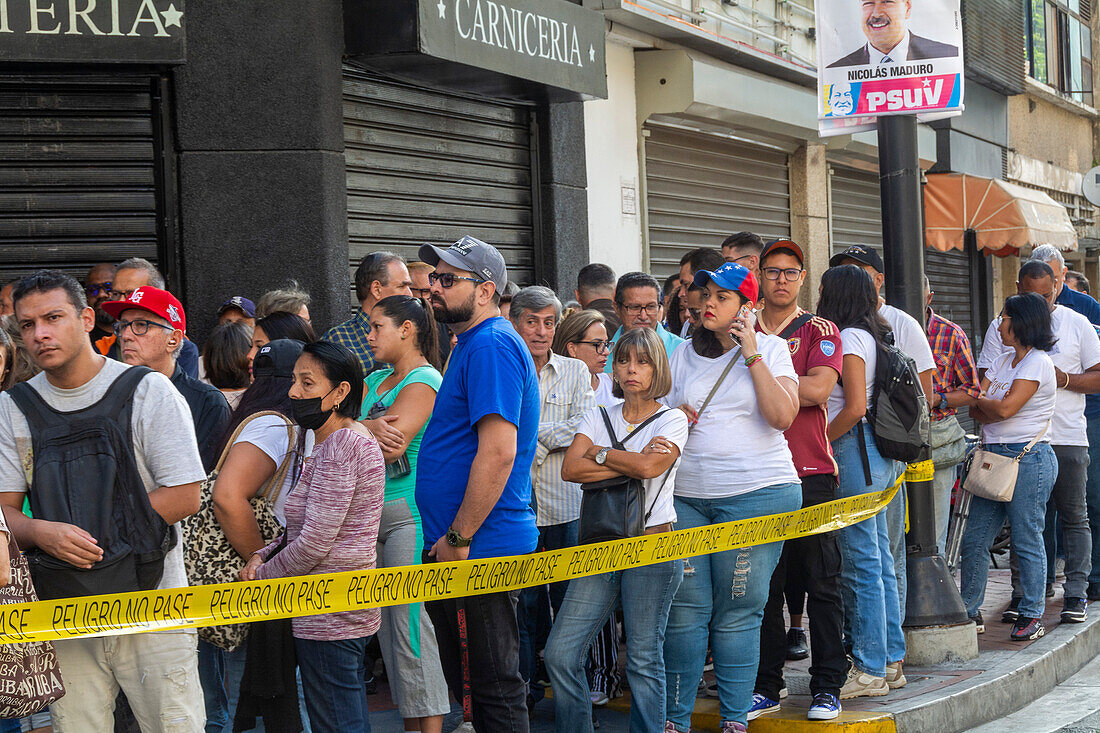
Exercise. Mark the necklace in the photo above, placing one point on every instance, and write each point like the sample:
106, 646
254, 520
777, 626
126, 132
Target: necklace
630, 426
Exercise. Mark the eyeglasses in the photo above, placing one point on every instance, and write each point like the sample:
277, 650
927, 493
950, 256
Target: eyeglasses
790, 274
120, 294
447, 279
424, 293
650, 309
601, 347
94, 289
140, 327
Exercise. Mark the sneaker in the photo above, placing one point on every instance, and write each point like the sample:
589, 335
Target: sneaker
711, 690
1050, 590
860, 684
466, 727
761, 705
1012, 612
824, 707
1027, 629
732, 726
980, 622
599, 699
796, 645
895, 677
670, 728
542, 677
708, 663
1074, 611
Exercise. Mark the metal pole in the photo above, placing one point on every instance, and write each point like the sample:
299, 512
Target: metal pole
932, 599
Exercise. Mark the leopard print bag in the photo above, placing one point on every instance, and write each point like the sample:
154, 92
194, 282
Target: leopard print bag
208, 555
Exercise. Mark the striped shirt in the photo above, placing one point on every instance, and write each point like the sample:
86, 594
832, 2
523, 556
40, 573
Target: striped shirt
353, 334
955, 368
565, 389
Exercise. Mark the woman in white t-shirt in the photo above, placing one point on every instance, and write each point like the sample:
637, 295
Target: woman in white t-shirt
583, 335
641, 374
736, 465
1015, 407
869, 587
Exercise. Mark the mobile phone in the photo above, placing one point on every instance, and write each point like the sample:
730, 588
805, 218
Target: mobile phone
748, 315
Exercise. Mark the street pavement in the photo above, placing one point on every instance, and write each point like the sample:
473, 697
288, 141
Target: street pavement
1072, 707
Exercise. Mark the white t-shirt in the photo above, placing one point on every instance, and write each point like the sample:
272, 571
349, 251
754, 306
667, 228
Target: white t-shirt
163, 433
1036, 366
1076, 350
909, 337
731, 450
604, 397
268, 433
671, 425
859, 343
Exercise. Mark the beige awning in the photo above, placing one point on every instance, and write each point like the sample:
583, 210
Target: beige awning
1004, 216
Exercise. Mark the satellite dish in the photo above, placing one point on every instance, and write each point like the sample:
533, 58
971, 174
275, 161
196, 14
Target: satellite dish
1090, 186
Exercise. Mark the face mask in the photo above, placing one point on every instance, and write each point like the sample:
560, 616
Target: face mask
308, 413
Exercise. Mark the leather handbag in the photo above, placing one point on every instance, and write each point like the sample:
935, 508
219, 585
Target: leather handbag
993, 476
30, 677
614, 509
208, 555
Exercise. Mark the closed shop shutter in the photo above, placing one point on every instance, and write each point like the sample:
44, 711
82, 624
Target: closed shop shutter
702, 188
77, 173
430, 166
855, 209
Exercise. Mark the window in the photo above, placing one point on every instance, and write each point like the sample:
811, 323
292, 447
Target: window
1059, 46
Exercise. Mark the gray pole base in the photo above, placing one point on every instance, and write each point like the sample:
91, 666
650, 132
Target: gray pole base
929, 645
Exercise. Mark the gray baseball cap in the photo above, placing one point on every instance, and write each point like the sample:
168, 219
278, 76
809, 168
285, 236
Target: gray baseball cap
468, 253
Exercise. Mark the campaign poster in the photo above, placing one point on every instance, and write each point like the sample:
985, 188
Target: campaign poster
887, 57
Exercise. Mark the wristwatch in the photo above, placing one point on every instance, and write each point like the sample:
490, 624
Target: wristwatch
454, 539
601, 455
943, 400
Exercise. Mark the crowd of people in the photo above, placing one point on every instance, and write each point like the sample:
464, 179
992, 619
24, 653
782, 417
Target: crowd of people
456, 416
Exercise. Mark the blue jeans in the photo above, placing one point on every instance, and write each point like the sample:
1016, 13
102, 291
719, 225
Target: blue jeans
895, 527
725, 593
1092, 498
869, 588
539, 605
332, 679
646, 596
212, 677
1027, 514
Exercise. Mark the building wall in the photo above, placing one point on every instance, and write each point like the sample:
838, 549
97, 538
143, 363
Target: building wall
611, 147
1041, 130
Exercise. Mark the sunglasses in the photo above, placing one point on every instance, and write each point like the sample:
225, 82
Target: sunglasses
447, 279
94, 289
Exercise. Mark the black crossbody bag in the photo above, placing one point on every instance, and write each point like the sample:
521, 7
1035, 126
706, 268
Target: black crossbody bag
615, 509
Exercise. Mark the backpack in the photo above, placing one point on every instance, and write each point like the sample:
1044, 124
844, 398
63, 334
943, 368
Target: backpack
898, 414
85, 474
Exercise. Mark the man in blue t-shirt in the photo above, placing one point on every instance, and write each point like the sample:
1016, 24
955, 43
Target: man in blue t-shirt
473, 484
1090, 309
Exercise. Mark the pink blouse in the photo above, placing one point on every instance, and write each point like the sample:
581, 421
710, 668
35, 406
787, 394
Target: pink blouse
332, 518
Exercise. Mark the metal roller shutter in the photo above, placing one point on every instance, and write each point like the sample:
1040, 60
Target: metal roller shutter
77, 173
701, 188
429, 166
855, 209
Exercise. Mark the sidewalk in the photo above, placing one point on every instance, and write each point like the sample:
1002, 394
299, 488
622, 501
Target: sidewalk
946, 698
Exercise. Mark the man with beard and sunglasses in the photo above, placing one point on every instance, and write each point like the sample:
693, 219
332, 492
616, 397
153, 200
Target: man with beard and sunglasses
889, 40
473, 482
97, 286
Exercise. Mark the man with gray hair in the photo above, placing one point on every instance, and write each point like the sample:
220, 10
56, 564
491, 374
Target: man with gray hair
1090, 309
565, 388
379, 275
135, 273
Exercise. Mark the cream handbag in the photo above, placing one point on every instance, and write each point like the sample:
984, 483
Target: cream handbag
993, 476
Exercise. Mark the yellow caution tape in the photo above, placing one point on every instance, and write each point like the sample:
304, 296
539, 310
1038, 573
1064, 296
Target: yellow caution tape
309, 595
922, 471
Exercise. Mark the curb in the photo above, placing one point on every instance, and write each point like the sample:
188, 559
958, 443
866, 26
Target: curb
1026, 676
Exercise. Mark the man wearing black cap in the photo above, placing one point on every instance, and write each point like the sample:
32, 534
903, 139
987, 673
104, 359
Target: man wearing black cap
473, 482
910, 337
238, 309
810, 563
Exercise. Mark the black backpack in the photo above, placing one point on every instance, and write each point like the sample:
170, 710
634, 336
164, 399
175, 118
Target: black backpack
898, 414
85, 474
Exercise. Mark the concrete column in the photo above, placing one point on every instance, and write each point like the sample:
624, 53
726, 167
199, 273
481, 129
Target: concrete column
563, 197
809, 183
260, 145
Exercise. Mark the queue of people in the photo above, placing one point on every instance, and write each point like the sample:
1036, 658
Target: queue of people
430, 428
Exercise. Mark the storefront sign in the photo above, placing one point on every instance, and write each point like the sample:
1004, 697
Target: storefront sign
92, 31
550, 42
887, 57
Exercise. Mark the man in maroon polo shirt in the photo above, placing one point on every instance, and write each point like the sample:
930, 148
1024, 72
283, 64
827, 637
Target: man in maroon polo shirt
814, 561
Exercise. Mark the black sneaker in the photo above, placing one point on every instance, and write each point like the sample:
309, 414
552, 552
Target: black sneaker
1074, 611
1012, 612
796, 645
1050, 590
1027, 629
542, 677
979, 622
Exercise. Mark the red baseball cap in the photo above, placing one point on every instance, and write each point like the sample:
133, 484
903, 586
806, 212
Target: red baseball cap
153, 300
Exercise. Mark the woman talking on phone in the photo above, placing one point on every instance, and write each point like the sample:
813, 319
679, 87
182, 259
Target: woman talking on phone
739, 390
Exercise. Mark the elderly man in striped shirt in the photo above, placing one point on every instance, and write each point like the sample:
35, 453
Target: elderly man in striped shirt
565, 387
